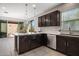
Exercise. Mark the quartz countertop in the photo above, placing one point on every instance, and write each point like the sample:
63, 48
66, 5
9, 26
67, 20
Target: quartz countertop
27, 33
54, 33
69, 35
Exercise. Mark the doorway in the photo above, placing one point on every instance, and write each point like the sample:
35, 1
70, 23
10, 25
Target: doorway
11, 29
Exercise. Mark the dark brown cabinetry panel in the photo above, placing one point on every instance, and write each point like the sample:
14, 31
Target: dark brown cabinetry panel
51, 19
58, 18
35, 41
68, 45
39, 22
47, 20
43, 20
25, 43
55, 18
61, 44
73, 46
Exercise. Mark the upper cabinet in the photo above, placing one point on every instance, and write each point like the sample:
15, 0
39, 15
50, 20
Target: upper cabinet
39, 22
47, 20
43, 20
51, 19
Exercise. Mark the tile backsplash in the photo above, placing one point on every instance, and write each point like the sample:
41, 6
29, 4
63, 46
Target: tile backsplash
56, 30
51, 30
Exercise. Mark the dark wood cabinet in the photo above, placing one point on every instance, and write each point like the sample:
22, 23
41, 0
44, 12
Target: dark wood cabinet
68, 45
55, 18
35, 41
24, 43
43, 20
39, 22
47, 20
51, 19
44, 39
61, 44
73, 46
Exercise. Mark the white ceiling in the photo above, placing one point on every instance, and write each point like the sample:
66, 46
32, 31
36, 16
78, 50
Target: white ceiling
18, 10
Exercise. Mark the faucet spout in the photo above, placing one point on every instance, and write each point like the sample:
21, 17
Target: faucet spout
70, 31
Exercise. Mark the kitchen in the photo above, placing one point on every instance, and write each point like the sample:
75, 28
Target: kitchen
53, 26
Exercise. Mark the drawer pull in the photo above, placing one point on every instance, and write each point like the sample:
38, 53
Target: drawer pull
67, 44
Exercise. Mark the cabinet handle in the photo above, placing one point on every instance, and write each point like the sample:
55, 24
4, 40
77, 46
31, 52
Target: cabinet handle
67, 44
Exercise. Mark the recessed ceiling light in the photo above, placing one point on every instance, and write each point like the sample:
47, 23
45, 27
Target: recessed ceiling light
3, 8
34, 5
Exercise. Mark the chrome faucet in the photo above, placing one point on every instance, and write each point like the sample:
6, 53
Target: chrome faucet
70, 31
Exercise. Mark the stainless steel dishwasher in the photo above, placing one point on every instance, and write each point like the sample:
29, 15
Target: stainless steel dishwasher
51, 41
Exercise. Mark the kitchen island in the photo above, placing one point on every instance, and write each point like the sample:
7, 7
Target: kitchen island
25, 42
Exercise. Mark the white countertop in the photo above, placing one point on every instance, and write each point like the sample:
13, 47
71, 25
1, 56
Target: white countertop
58, 33
26, 33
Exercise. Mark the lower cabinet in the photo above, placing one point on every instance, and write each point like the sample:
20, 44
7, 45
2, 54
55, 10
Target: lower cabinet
73, 46
24, 43
35, 41
68, 45
61, 44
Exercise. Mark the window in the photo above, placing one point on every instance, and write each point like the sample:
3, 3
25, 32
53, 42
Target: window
32, 26
70, 19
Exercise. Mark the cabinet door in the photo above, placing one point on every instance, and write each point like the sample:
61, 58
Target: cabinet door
34, 42
58, 18
47, 20
23, 44
73, 46
43, 20
39, 40
55, 18
39, 22
61, 44
44, 39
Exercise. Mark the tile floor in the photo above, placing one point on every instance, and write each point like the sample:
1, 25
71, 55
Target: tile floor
7, 49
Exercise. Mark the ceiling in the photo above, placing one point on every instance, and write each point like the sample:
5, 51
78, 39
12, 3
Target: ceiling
20, 11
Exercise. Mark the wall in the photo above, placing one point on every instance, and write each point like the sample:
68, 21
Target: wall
62, 8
